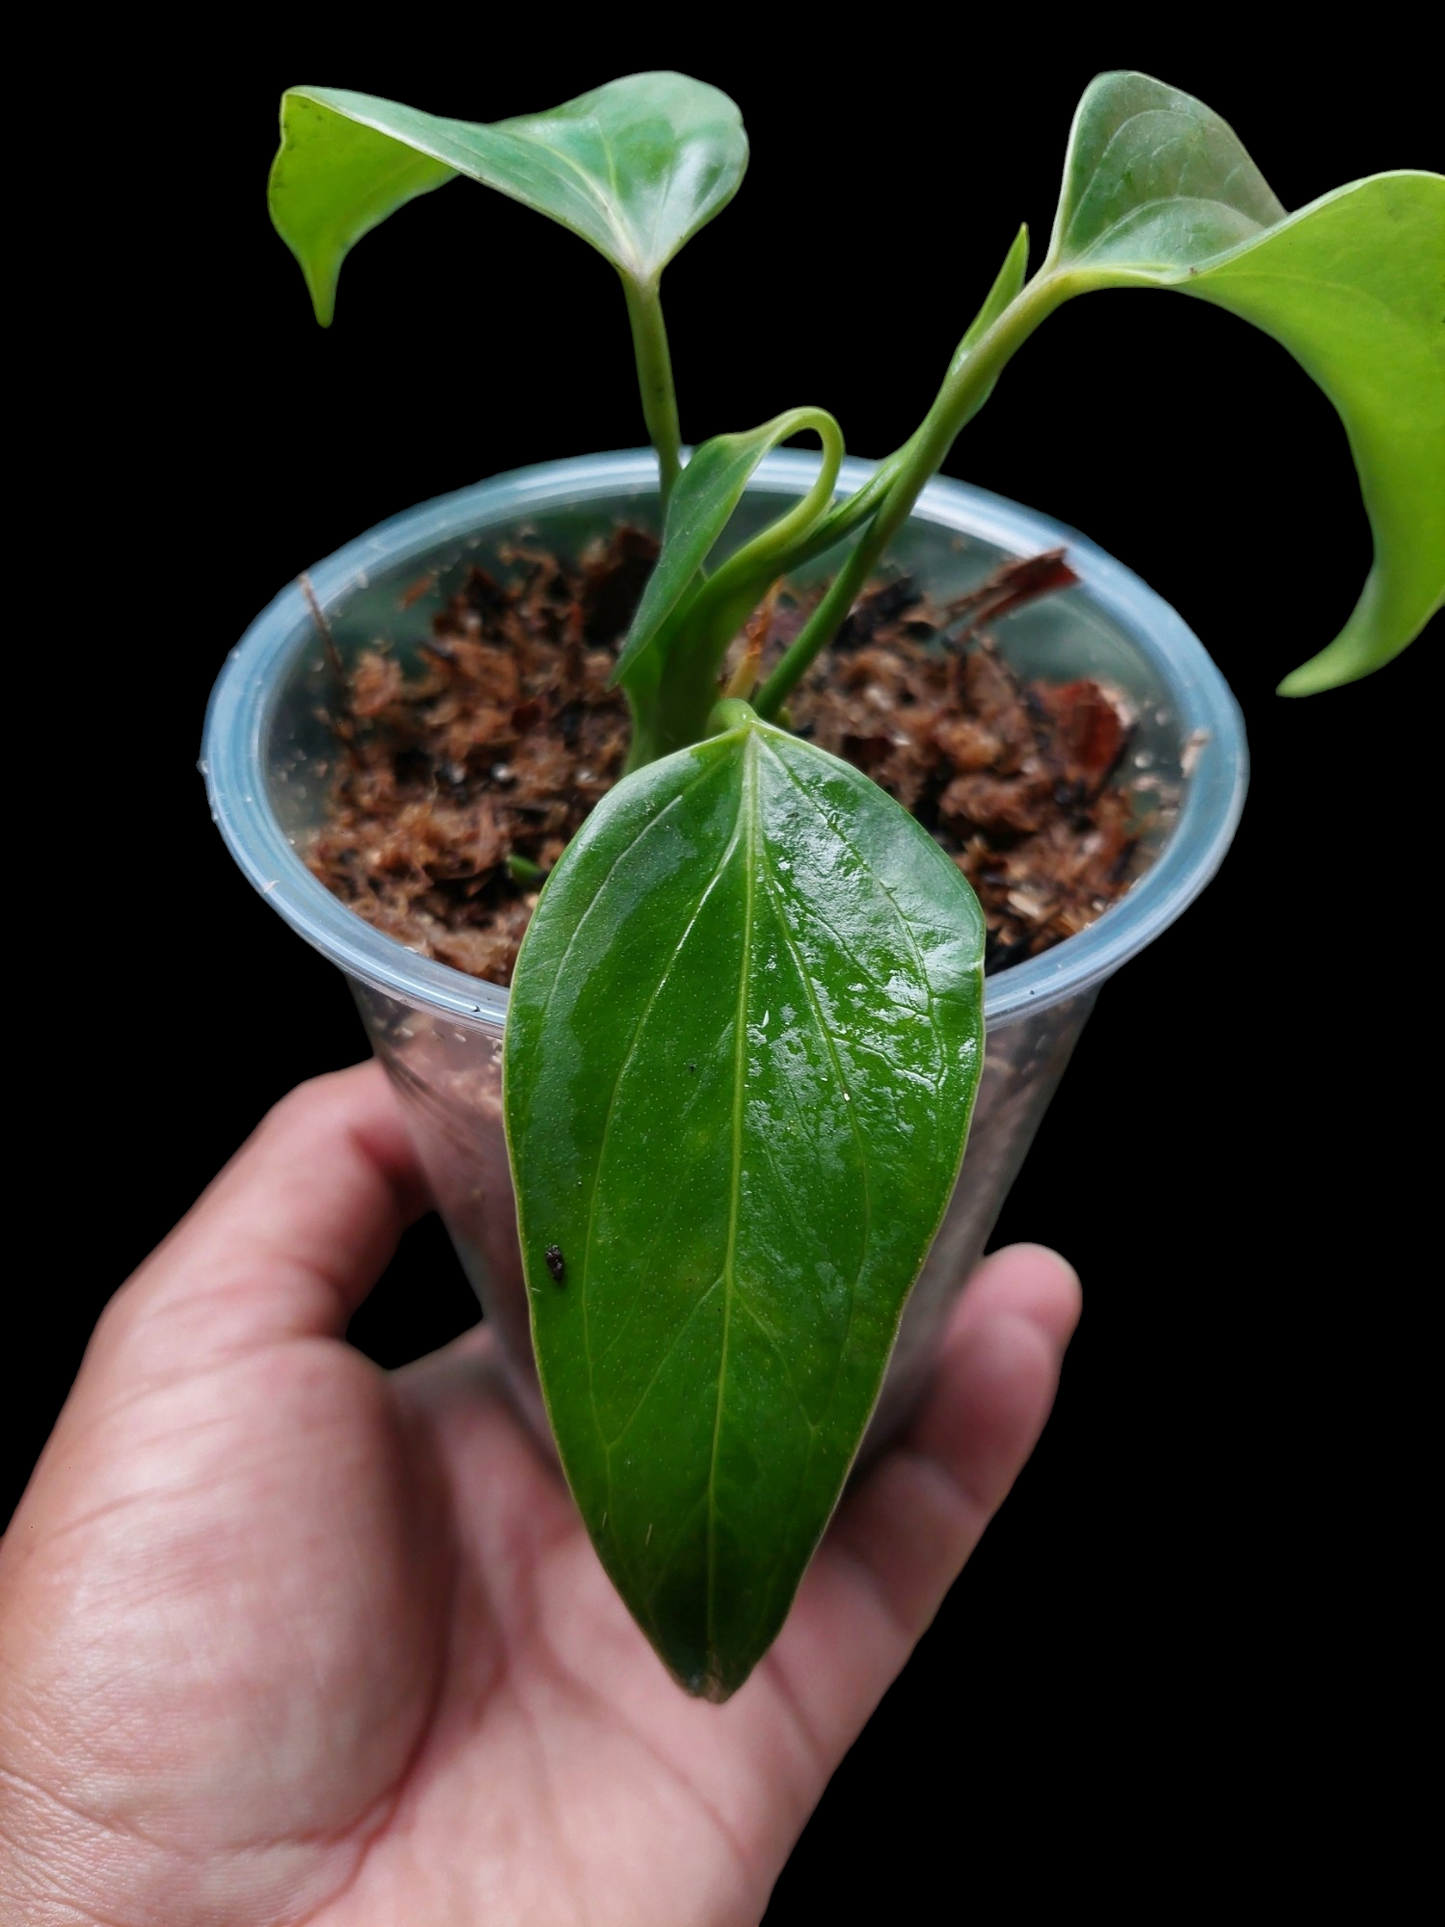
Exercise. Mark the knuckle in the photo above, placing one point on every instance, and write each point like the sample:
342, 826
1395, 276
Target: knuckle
302, 1111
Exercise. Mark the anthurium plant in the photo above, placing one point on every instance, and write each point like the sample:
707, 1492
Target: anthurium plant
746, 1024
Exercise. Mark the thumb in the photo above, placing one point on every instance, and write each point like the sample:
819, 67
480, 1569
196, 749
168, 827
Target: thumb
285, 1243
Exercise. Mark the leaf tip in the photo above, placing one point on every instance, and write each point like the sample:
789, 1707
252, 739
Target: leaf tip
323, 302
1296, 683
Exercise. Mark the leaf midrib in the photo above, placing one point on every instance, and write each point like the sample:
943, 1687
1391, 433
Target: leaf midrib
467, 158
1215, 199
748, 817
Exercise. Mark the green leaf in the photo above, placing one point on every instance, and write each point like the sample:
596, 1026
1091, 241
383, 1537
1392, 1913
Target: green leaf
745, 1035
1354, 287
702, 504
1005, 290
635, 167
1155, 178
1159, 192
333, 180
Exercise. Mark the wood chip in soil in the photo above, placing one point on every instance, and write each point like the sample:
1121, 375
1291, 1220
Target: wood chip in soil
462, 782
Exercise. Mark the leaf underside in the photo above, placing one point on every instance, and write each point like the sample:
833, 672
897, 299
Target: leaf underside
1158, 191
745, 1036
635, 168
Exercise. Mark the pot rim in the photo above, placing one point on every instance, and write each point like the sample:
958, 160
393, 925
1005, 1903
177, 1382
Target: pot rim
242, 705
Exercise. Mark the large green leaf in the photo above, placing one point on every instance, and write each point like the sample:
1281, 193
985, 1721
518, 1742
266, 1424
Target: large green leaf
1354, 287
745, 1035
1158, 191
635, 167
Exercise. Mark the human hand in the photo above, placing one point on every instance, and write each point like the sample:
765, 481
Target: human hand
287, 1638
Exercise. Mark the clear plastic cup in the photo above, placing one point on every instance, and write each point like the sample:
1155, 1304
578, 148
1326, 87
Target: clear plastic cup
268, 756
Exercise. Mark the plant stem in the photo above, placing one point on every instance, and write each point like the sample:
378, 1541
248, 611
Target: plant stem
723, 602
654, 380
845, 516
966, 387
765, 557
695, 637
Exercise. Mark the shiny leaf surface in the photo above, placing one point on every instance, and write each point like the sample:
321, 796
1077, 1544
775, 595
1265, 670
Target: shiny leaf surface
635, 168
1354, 287
1158, 191
1155, 178
745, 1035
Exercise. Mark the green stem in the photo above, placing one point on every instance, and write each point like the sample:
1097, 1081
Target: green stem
764, 555
845, 516
722, 605
654, 379
966, 387
731, 713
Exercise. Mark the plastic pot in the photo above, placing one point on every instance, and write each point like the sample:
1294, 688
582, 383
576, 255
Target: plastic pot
268, 755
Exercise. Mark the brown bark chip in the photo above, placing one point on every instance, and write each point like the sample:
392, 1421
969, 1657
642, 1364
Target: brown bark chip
462, 783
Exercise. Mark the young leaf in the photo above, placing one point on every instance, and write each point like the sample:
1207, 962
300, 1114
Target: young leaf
635, 167
745, 1036
700, 508
1158, 191
1007, 284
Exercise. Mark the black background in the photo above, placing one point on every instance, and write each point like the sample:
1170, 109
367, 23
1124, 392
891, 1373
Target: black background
1183, 1640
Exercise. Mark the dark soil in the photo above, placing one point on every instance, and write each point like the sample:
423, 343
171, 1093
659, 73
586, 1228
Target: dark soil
463, 782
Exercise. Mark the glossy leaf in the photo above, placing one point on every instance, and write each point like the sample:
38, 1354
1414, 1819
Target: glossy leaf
635, 168
1153, 177
1158, 191
1354, 287
745, 1035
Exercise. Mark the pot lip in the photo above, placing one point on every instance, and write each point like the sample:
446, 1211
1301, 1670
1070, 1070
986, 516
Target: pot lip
242, 704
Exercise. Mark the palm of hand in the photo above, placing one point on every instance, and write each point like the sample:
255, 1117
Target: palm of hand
289, 1639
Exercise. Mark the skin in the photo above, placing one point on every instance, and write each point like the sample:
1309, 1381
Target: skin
286, 1638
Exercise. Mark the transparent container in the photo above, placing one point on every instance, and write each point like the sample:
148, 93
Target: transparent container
268, 758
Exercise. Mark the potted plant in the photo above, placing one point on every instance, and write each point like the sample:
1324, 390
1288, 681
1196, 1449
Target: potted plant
705, 1540
1214, 1548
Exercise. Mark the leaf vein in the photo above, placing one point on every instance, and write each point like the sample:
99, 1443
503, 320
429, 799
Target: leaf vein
854, 1126
668, 1349
623, 1069
903, 921
747, 812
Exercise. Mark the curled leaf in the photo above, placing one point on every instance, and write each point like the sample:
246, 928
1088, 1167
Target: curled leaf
1159, 192
635, 168
702, 503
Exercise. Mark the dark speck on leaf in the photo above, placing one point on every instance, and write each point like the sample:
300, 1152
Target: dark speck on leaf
556, 1264
692, 1067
